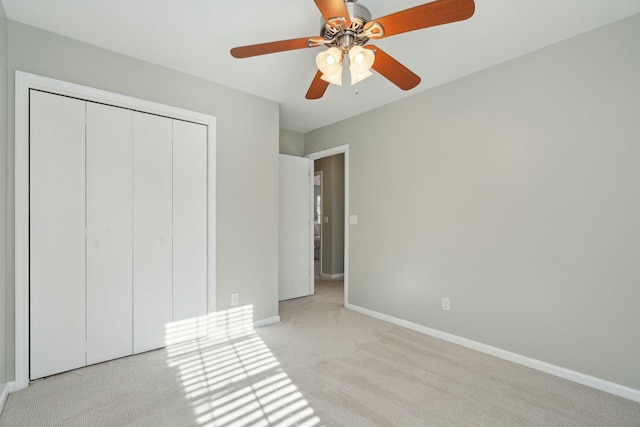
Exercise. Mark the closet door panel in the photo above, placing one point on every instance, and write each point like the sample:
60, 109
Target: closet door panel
152, 243
189, 221
57, 234
109, 233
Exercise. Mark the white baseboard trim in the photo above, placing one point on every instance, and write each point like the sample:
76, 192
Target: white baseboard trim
4, 392
332, 276
267, 321
558, 371
15, 386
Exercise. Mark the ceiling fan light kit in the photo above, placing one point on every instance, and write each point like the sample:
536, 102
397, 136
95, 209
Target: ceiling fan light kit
360, 63
347, 27
330, 63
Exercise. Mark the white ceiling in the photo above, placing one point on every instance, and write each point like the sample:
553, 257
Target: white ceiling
195, 36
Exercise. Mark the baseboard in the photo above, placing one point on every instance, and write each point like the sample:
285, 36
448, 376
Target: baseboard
4, 392
15, 385
332, 276
558, 371
267, 321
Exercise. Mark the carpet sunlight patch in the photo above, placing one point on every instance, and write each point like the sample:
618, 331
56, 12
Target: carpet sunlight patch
231, 378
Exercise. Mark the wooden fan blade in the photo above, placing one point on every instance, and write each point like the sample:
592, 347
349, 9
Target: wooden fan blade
272, 47
394, 71
428, 15
334, 12
318, 87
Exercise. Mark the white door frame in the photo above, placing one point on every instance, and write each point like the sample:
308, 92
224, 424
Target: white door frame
26, 81
320, 216
341, 149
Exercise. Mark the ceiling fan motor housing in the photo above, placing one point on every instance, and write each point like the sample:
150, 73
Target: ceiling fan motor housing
346, 38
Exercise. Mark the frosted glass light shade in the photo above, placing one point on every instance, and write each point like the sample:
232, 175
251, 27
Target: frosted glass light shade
360, 62
358, 77
330, 63
336, 78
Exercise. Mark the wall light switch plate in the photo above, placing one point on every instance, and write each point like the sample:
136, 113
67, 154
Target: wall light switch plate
353, 219
326, 220
235, 299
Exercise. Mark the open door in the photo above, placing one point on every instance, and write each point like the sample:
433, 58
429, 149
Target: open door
295, 275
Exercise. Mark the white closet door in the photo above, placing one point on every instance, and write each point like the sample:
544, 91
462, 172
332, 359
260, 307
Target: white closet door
189, 221
109, 233
152, 241
57, 234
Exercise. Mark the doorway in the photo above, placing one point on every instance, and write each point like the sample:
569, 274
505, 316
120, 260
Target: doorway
330, 216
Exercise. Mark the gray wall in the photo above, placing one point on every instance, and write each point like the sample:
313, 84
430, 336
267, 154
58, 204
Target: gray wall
514, 192
247, 156
3, 196
291, 143
332, 206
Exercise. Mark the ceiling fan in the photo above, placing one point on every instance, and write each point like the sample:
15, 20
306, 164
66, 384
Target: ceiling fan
347, 27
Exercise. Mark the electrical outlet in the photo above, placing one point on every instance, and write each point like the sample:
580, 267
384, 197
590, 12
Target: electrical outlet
235, 299
446, 304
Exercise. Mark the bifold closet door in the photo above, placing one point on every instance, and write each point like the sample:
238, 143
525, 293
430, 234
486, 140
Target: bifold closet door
152, 240
109, 232
57, 234
189, 222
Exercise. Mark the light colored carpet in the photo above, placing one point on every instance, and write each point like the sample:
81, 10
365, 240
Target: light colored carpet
321, 365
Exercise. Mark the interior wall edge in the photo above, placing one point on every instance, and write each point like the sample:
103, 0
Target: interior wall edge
3, 396
291, 142
4, 249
